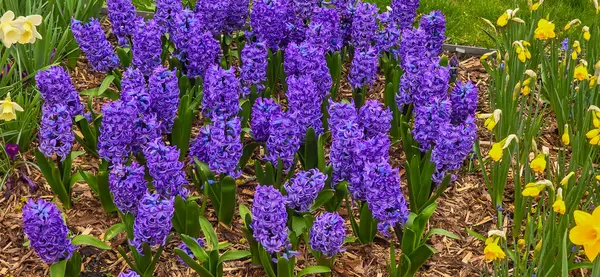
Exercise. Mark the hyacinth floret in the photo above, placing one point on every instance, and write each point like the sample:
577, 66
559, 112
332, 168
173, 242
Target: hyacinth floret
185, 26
346, 136
152, 223
305, 101
453, 146
384, 196
324, 30
411, 80
303, 8
146, 128
203, 52
413, 45
116, 132
434, 25
212, 15
404, 12
46, 230
429, 119
434, 84
225, 148
93, 42
164, 92
188, 251
134, 91
284, 139
147, 46
295, 29
200, 147
368, 151
309, 59
221, 93
302, 190
237, 15
254, 67
388, 38
339, 113
263, 111
375, 118
269, 219
327, 234
122, 15
346, 10
363, 71
56, 133
128, 273
464, 101
266, 21
166, 10
364, 26
56, 87
168, 176
128, 186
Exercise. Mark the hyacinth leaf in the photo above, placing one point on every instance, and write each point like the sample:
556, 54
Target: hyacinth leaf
149, 272
106, 198
90, 241
298, 225
58, 269
182, 127
227, 200
438, 192
564, 257
179, 219
409, 241
53, 177
367, 228
74, 265
67, 164
125, 56
233, 255
192, 225
196, 249
341, 191
269, 178
89, 140
266, 261
89, 179
127, 259
279, 177
315, 269
245, 111
419, 257
442, 232
209, 232
311, 150
246, 216
114, 230
324, 197
247, 154
284, 269
421, 220
353, 222
203, 272
259, 172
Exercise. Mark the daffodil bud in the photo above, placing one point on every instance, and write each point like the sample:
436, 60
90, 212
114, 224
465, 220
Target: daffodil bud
565, 180
572, 23
566, 139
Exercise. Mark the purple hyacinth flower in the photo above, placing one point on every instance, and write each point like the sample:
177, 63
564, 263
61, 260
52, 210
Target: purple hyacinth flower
47, 232
429, 119
454, 144
269, 219
364, 26
305, 101
152, 223
266, 21
203, 52
308, 59
284, 139
324, 30
565, 44
389, 36
147, 46
11, 150
434, 25
368, 151
263, 111
375, 118
168, 177
146, 128
404, 12
164, 93
302, 190
412, 46
464, 101
56, 88
134, 91
346, 135
185, 26
434, 84
327, 234
128, 273
225, 148
188, 251
363, 71
122, 15
200, 147
128, 186
254, 67
384, 197
237, 15
56, 135
303, 8
221, 93
212, 15
339, 113
116, 132
93, 42
166, 11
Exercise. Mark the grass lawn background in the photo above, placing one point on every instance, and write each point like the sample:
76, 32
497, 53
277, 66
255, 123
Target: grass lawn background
464, 24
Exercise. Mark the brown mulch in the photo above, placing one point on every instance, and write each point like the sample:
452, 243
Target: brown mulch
465, 204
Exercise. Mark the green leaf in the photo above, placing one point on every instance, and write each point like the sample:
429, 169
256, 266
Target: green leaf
105, 84
442, 232
564, 258
323, 197
283, 268
193, 245
192, 224
228, 200
114, 230
311, 151
53, 177
91, 241
475, 234
367, 226
104, 193
179, 219
419, 257
58, 269
245, 214
298, 225
193, 264
315, 269
248, 151
233, 255
259, 172
209, 232
265, 260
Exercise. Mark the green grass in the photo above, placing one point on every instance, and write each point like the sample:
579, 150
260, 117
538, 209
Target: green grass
464, 24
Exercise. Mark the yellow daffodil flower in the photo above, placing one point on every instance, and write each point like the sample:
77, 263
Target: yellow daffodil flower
539, 163
572, 23
535, 6
587, 232
598, 177
526, 89
559, 204
8, 109
581, 72
521, 47
503, 19
491, 119
586, 33
565, 180
545, 30
10, 31
28, 25
496, 151
593, 81
594, 134
521, 243
566, 139
576, 50
534, 189
492, 250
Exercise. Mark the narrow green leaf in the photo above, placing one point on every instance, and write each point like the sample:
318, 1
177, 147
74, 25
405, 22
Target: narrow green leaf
228, 200
58, 269
203, 272
90, 241
323, 197
248, 151
114, 230
209, 232
315, 269
233, 255
193, 245
105, 84
438, 231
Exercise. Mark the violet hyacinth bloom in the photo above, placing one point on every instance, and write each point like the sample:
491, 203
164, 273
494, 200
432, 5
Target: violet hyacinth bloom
185, 26
269, 219
565, 44
327, 234
363, 71
165, 169
263, 111
453, 146
56, 87
389, 37
47, 232
345, 9
147, 46
134, 91
404, 12
339, 113
434, 25
128, 186
305, 101
152, 223
308, 59
364, 26
212, 15
165, 13
412, 45
302, 190
221, 93
225, 148
324, 30
164, 93
128, 273
411, 80
188, 251
116, 132
266, 21
375, 118
237, 15
200, 147
303, 8
11, 150
464, 101
56, 134
284, 139
295, 28
122, 15
429, 119
434, 84
384, 197
345, 138
146, 128
254, 67
93, 42
369, 151
203, 52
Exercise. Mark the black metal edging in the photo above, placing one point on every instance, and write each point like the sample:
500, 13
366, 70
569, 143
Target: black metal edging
458, 49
